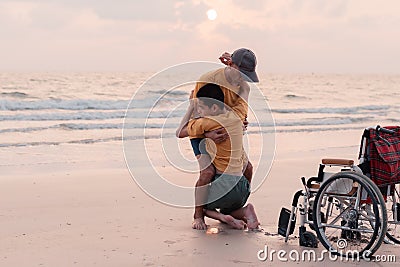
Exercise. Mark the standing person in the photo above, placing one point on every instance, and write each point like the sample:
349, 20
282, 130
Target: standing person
229, 189
236, 92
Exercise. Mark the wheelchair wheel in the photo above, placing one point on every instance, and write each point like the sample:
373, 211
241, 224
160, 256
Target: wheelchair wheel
355, 215
393, 210
382, 230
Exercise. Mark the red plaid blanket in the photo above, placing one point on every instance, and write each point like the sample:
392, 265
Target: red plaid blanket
385, 159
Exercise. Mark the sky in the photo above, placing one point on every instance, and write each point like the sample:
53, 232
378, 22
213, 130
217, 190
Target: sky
288, 36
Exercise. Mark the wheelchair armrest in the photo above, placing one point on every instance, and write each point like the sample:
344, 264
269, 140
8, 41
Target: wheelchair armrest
313, 182
344, 162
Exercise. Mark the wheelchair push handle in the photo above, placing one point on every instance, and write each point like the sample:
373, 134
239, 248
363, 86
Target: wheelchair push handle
383, 130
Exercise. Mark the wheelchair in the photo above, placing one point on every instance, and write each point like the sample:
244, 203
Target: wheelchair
351, 208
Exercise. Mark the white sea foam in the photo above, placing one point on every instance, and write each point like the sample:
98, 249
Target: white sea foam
63, 104
173, 125
84, 104
85, 115
337, 110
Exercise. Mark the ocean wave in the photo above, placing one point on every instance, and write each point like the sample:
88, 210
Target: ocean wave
78, 104
91, 116
26, 129
307, 129
99, 126
56, 143
83, 141
92, 126
15, 94
323, 122
294, 96
326, 121
63, 116
171, 92
87, 104
339, 110
127, 136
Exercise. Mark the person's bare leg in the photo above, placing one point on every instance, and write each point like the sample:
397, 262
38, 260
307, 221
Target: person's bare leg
248, 214
248, 171
207, 172
235, 223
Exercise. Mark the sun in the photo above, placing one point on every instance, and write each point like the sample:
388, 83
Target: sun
212, 14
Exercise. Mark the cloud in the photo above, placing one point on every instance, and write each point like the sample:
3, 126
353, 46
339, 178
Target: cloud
290, 35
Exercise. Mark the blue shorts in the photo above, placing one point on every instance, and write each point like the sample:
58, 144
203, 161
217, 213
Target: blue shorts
199, 146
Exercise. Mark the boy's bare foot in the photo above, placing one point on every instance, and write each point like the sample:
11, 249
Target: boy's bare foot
251, 217
199, 224
235, 223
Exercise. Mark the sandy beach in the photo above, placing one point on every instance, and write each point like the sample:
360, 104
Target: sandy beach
77, 205
91, 95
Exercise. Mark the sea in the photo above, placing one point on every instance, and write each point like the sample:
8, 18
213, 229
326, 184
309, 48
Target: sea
52, 109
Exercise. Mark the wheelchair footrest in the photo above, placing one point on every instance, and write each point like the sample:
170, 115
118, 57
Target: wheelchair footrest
283, 224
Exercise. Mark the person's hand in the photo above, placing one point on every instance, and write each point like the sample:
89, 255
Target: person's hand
245, 124
226, 58
218, 136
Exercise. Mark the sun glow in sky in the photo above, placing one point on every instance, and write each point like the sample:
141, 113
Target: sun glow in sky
212, 14
301, 36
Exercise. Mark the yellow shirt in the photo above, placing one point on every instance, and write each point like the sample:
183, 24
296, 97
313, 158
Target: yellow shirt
231, 92
228, 156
